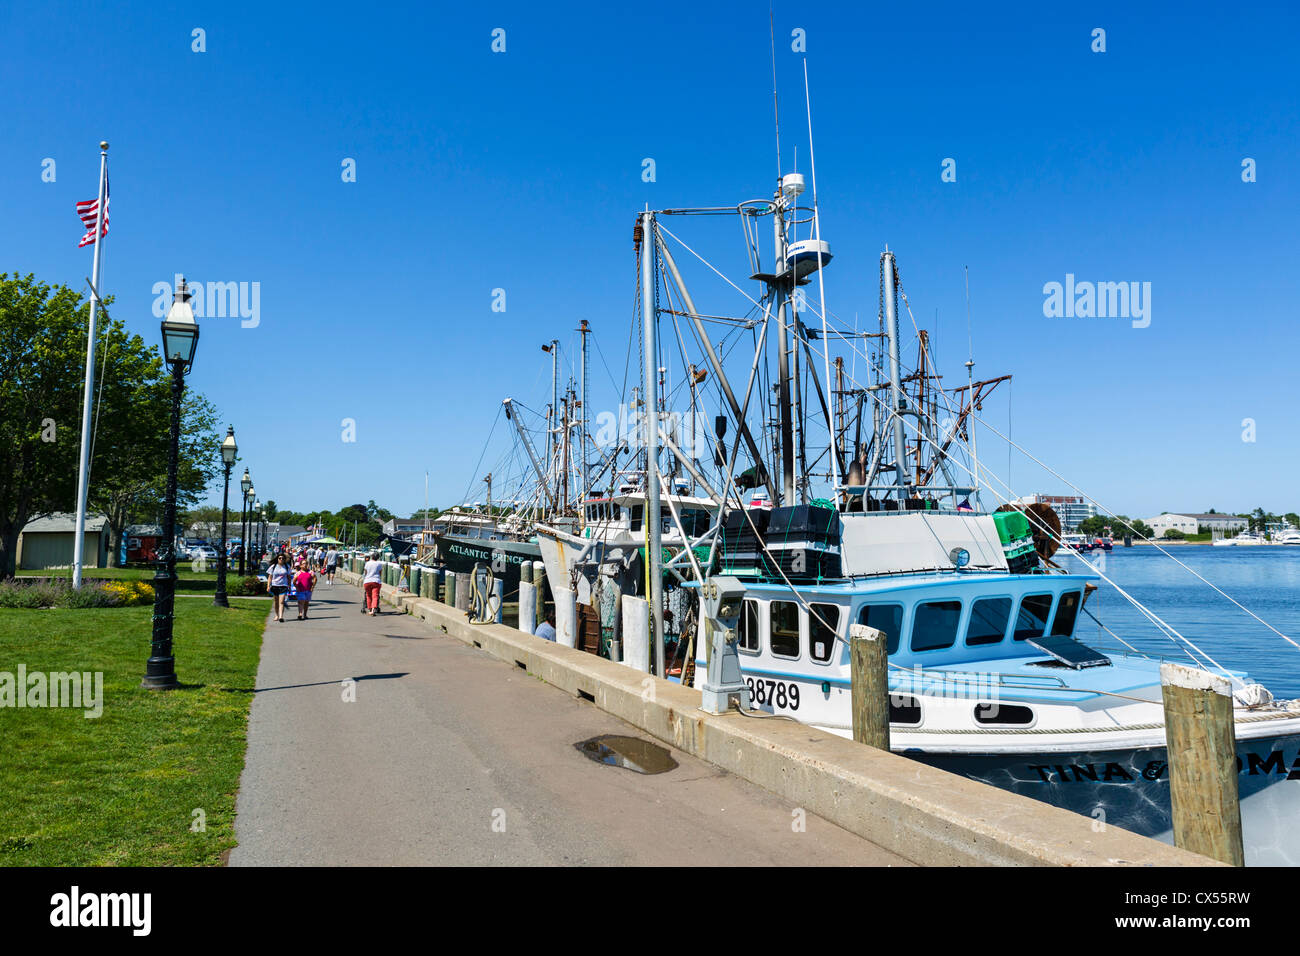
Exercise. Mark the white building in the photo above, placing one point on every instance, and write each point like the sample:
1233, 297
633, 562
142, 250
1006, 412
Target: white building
1218, 522
1162, 523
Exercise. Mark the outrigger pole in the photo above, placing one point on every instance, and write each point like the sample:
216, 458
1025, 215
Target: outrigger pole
716, 365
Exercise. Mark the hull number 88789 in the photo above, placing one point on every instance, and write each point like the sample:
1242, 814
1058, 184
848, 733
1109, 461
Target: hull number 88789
776, 693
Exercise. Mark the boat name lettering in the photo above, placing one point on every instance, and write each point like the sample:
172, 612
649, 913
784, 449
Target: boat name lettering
1253, 765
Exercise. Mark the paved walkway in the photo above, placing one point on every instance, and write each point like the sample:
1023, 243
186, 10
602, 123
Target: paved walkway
448, 756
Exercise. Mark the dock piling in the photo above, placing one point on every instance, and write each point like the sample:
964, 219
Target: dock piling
539, 582
869, 663
527, 606
636, 632
1201, 745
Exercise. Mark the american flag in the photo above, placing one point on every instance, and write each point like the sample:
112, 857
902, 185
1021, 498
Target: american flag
965, 505
89, 211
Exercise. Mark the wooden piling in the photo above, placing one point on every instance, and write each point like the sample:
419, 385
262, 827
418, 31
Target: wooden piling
1201, 741
539, 582
869, 673
449, 595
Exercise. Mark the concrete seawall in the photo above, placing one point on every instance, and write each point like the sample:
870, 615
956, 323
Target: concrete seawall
926, 815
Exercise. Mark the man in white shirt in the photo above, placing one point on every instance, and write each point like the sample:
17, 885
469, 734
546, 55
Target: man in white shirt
370, 583
547, 629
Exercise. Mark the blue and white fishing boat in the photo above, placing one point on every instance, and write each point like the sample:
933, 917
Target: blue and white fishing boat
992, 676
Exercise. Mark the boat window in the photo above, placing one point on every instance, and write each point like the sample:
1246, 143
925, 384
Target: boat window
1005, 714
636, 517
748, 642
935, 625
821, 638
784, 636
1067, 609
988, 621
884, 617
695, 521
1032, 619
904, 709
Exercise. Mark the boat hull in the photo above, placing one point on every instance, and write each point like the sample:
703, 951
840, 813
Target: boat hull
1129, 788
461, 554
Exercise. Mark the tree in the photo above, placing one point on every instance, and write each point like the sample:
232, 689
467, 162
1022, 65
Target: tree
129, 467
1292, 519
42, 361
271, 510
1173, 534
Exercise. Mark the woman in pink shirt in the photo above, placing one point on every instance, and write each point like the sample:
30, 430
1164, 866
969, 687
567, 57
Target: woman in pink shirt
303, 582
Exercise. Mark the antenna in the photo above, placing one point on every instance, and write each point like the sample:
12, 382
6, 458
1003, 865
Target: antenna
776, 111
970, 396
821, 283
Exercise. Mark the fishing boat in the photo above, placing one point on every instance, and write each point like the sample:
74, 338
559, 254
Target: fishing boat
992, 674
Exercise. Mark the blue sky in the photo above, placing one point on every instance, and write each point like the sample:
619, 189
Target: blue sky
522, 170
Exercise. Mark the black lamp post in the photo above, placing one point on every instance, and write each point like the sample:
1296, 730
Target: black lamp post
248, 551
244, 483
180, 339
228, 452
256, 531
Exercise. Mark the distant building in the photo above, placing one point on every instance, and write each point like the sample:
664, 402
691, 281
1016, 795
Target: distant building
1218, 522
49, 542
1161, 523
1071, 510
403, 526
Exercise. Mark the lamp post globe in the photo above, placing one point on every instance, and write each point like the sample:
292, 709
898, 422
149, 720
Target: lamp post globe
229, 452
180, 335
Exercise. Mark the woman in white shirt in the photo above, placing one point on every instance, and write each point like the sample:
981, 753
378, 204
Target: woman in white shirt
370, 582
277, 581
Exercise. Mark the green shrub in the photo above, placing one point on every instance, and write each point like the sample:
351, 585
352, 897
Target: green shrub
241, 587
34, 593
91, 594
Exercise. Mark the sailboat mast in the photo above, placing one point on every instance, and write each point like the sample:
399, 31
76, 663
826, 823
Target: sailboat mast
899, 403
653, 522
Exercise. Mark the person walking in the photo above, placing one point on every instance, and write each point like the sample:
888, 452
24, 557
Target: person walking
303, 582
277, 581
331, 565
370, 582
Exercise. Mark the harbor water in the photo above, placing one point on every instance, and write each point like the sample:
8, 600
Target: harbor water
1266, 579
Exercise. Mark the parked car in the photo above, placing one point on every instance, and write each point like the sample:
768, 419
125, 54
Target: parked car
206, 552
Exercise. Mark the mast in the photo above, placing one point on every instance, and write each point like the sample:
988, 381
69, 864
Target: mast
899, 402
552, 439
653, 523
582, 418
564, 463
784, 409
970, 385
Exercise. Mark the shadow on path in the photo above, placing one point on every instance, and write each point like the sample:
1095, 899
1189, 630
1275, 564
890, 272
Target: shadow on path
319, 683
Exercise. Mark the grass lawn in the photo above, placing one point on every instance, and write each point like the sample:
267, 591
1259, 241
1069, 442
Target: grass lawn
120, 790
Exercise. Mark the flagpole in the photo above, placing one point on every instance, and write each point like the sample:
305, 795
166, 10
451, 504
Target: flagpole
83, 470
